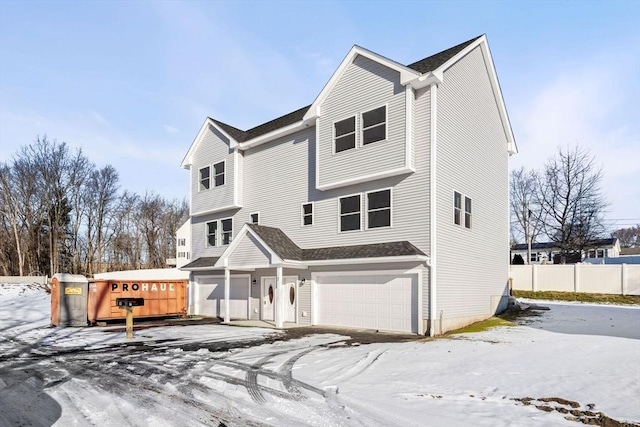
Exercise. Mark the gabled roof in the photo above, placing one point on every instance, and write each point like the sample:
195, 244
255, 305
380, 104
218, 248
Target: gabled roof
418, 74
433, 62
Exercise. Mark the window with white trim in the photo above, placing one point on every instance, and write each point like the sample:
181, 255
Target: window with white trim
350, 210
374, 125
344, 133
212, 233
255, 218
227, 230
307, 214
182, 242
204, 177
458, 210
379, 209
218, 174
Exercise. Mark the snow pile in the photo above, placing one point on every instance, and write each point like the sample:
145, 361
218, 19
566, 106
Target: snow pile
575, 362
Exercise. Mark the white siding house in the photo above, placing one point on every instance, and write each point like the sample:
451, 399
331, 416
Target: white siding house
356, 210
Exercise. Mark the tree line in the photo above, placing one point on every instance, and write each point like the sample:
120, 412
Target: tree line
562, 203
59, 212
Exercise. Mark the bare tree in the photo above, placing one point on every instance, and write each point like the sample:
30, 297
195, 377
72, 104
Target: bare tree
628, 237
570, 200
526, 214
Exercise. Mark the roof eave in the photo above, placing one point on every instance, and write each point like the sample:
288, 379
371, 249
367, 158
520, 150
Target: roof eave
262, 139
187, 161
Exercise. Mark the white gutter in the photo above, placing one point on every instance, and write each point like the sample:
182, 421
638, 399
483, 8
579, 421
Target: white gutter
432, 211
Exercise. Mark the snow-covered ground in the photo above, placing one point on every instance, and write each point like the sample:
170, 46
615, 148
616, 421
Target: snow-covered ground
573, 361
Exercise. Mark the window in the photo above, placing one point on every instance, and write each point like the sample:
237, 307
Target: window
467, 212
227, 230
344, 133
212, 233
457, 210
182, 255
534, 257
379, 209
204, 178
255, 218
307, 214
218, 171
350, 213
457, 207
182, 242
374, 126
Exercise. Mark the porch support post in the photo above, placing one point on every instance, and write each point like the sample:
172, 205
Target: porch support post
227, 292
279, 300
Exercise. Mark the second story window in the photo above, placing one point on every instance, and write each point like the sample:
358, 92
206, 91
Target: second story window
374, 125
458, 212
227, 230
182, 242
218, 174
344, 133
205, 178
307, 214
379, 209
350, 208
255, 218
212, 233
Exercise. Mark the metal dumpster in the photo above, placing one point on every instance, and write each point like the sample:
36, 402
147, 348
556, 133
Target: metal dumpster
69, 300
162, 298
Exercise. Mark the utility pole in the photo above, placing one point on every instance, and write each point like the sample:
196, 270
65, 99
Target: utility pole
528, 231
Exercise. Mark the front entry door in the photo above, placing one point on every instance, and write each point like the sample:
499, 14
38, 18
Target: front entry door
268, 297
290, 297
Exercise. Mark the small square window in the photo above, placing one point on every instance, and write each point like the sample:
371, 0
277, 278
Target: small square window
307, 214
345, 134
205, 176
350, 208
255, 218
218, 170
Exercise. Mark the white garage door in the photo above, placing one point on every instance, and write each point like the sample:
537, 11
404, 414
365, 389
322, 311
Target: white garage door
209, 297
384, 301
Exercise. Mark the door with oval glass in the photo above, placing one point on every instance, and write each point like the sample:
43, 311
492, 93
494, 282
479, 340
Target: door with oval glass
268, 297
291, 298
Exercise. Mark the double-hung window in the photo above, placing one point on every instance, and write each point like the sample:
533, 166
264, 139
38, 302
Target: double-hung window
344, 133
218, 174
227, 230
374, 125
379, 209
219, 232
350, 209
212, 233
458, 210
204, 178
307, 214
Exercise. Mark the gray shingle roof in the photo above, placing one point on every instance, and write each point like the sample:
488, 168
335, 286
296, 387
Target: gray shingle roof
423, 66
285, 248
202, 262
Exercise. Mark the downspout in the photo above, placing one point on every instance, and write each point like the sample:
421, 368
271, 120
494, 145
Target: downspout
432, 211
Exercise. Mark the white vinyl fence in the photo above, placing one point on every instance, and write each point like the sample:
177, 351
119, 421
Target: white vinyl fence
596, 279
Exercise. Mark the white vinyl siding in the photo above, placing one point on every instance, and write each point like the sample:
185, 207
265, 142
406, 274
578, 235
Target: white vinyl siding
220, 190
249, 253
365, 86
472, 160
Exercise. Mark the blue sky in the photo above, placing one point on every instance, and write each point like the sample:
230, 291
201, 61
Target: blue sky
132, 82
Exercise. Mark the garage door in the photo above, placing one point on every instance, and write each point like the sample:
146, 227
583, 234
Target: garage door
209, 297
383, 301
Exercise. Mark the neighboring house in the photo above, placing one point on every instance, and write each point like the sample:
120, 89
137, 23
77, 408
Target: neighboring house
360, 210
183, 244
549, 252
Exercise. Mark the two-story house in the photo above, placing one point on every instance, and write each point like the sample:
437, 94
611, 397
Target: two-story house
360, 210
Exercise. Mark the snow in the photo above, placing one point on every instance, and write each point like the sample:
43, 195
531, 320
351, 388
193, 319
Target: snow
584, 355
